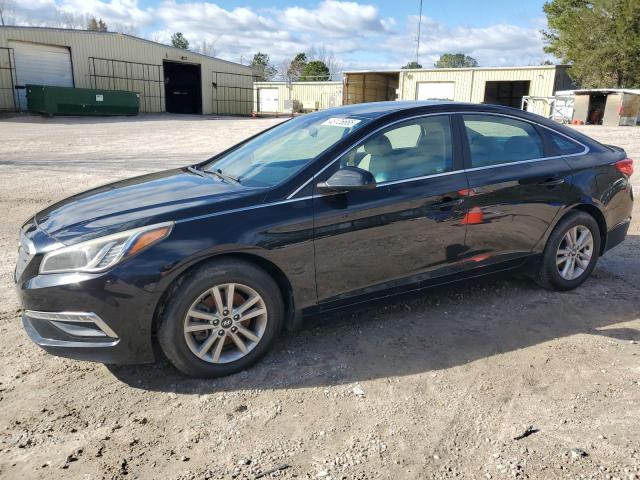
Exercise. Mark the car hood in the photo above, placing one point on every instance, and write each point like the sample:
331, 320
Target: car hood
158, 197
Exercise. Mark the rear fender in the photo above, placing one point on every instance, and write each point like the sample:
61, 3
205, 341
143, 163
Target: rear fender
589, 206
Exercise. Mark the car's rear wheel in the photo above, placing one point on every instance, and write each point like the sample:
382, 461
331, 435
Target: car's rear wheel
221, 319
571, 252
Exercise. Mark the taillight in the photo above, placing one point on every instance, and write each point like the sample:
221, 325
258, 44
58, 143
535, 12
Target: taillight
625, 166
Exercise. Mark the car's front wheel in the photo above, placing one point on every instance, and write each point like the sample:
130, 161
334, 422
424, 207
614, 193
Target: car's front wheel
571, 252
221, 319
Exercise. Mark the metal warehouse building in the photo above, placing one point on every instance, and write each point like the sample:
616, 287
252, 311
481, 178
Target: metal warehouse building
288, 97
166, 78
499, 85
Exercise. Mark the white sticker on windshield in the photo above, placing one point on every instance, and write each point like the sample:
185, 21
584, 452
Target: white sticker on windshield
341, 122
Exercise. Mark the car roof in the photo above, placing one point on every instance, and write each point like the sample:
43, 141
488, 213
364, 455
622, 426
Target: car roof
375, 110
379, 110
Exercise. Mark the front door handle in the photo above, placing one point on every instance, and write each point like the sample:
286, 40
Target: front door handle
552, 182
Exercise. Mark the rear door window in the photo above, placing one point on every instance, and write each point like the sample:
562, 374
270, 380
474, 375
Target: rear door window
495, 140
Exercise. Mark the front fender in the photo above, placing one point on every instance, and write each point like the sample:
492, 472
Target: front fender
278, 234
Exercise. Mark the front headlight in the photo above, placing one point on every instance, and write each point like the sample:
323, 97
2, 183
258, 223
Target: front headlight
103, 253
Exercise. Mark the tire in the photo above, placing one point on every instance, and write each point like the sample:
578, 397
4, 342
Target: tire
195, 295
550, 274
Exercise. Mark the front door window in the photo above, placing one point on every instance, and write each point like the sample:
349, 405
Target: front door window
415, 148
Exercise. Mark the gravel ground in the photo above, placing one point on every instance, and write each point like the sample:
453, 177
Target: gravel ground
434, 386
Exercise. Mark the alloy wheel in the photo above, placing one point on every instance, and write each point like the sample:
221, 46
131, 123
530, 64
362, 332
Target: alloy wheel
574, 252
225, 323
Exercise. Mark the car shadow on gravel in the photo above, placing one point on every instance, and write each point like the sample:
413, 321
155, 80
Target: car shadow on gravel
437, 329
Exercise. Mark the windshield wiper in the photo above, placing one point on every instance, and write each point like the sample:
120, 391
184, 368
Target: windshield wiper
216, 173
194, 170
224, 176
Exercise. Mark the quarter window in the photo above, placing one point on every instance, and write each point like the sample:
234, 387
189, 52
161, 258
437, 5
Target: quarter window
415, 148
496, 140
565, 146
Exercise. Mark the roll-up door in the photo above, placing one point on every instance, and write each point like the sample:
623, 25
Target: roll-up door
435, 90
39, 64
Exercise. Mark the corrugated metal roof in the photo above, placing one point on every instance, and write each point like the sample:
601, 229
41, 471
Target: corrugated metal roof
587, 91
522, 67
297, 83
132, 37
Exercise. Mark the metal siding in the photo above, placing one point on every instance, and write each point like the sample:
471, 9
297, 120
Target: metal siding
461, 78
308, 93
85, 44
542, 81
233, 94
8, 94
311, 93
470, 83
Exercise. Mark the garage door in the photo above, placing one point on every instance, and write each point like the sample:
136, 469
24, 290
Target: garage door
40, 64
268, 99
436, 90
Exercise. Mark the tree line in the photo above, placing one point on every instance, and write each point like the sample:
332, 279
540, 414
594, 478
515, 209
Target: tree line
315, 65
309, 67
599, 39
448, 60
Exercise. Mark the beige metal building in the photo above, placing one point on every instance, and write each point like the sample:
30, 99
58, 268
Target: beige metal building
166, 78
495, 85
284, 97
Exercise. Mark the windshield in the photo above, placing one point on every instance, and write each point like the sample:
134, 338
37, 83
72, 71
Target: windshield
282, 151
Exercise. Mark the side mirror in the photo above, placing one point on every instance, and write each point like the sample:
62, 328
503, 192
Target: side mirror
348, 179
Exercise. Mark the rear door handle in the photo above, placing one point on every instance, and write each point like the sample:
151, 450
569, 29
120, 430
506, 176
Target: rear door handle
447, 202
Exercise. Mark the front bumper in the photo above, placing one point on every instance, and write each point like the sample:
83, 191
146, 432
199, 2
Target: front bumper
96, 317
86, 325
56, 341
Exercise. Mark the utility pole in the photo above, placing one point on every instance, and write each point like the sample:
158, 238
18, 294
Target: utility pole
419, 27
2, 7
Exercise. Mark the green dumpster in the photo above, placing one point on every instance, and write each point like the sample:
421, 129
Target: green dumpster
81, 101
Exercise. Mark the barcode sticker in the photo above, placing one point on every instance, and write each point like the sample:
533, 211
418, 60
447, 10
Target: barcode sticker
341, 122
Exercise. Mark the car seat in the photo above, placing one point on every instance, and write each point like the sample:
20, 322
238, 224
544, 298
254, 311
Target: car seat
521, 148
484, 151
433, 149
381, 163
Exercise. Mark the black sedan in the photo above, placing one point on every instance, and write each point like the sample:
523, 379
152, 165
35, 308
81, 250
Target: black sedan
326, 210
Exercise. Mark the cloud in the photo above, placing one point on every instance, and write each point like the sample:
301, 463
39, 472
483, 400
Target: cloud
494, 45
336, 18
125, 12
355, 32
209, 17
